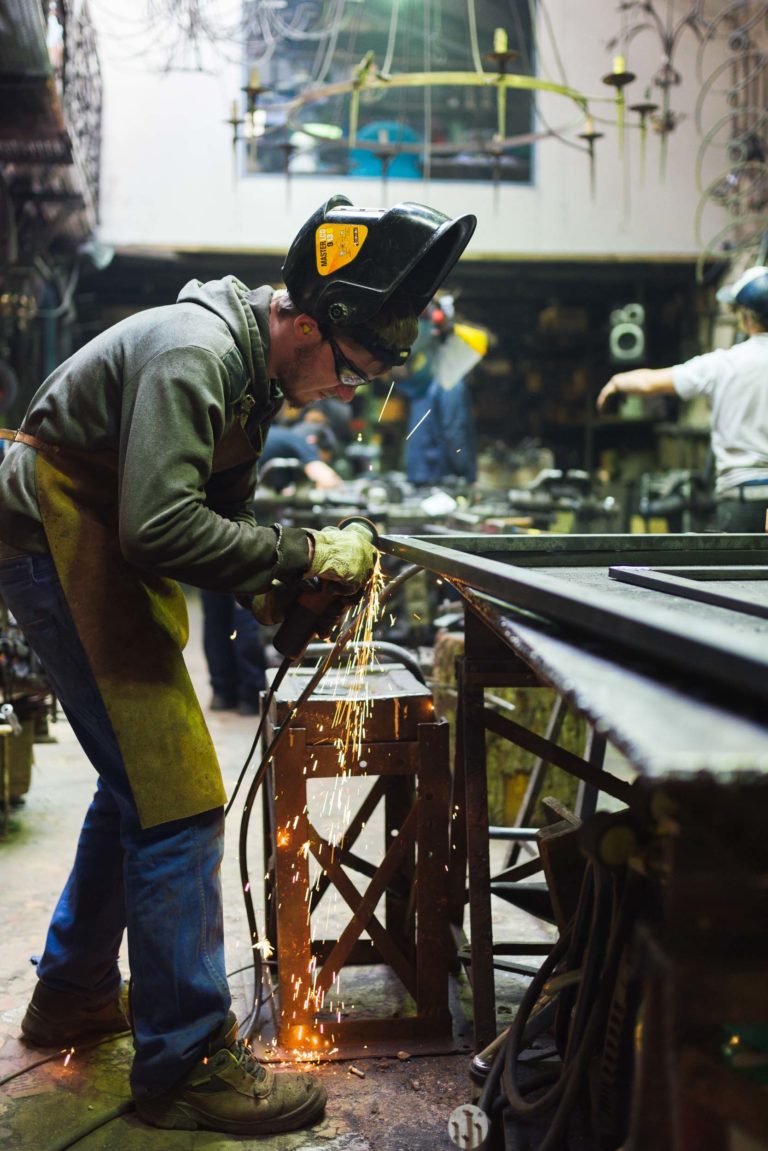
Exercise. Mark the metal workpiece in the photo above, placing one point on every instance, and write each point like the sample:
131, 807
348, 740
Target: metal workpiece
572, 550
563, 581
742, 589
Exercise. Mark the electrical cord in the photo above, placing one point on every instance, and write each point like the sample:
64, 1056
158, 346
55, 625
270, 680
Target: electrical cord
50, 1058
72, 1137
98, 1121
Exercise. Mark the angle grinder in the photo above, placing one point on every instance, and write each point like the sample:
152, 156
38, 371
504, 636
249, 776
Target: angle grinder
320, 603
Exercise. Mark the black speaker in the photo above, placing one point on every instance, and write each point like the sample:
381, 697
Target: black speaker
626, 338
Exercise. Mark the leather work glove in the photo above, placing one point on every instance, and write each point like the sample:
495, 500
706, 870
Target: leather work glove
270, 607
343, 556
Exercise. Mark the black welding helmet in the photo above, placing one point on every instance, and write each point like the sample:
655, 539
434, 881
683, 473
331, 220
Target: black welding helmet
749, 291
347, 262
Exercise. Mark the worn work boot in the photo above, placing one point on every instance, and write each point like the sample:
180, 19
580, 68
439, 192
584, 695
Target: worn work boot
62, 1018
231, 1091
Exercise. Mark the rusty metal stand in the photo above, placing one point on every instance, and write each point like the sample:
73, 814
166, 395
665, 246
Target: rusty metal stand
411, 783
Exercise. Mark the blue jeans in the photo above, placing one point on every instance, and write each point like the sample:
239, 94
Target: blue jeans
161, 884
233, 649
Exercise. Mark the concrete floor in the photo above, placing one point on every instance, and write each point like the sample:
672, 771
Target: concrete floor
397, 1104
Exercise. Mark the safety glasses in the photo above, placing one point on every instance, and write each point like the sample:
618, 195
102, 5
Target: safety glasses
347, 372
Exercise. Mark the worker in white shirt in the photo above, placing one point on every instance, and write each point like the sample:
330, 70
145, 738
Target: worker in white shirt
735, 380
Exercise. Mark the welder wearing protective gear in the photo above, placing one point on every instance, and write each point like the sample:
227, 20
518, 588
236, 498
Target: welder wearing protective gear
735, 380
134, 468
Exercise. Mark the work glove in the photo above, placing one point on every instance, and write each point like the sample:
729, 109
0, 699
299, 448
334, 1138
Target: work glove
270, 607
345, 557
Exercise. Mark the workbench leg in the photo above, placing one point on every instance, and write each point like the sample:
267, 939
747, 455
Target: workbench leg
435, 951
457, 816
480, 919
586, 795
399, 798
290, 833
6, 785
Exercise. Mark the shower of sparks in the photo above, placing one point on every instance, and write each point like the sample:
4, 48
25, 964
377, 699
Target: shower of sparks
68, 1056
353, 710
386, 401
312, 993
418, 425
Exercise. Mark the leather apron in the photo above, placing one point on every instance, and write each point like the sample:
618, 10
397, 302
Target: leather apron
133, 626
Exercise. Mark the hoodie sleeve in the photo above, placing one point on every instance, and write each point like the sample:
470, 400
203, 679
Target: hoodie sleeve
177, 417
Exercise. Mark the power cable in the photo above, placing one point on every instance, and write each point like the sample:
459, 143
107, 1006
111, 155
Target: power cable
392, 38
80, 1133
473, 42
573, 990
50, 1058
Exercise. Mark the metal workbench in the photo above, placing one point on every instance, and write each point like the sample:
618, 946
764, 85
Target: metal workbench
661, 643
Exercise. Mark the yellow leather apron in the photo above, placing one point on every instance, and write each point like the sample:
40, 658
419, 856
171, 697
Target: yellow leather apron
133, 626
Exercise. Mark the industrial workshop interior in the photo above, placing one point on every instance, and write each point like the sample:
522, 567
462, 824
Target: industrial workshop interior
383, 633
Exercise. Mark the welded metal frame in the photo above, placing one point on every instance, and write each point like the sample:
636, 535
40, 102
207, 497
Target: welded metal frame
507, 598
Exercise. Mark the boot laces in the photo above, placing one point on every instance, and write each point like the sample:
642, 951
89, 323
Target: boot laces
246, 1060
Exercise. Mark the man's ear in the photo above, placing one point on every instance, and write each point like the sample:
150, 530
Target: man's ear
305, 326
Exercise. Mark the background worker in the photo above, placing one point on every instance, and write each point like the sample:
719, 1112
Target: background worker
735, 380
440, 442
234, 653
311, 444
134, 468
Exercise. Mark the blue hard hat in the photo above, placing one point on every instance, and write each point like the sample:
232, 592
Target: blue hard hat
749, 291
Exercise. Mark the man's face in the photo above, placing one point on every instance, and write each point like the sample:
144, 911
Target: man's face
312, 372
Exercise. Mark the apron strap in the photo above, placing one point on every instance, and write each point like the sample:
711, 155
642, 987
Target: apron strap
30, 441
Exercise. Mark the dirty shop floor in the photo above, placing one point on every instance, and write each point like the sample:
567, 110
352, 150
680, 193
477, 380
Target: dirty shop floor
389, 1103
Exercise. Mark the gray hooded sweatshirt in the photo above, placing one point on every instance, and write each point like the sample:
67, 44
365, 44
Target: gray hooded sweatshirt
160, 390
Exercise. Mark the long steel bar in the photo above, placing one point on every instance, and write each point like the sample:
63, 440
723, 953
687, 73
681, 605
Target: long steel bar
562, 550
678, 583
713, 651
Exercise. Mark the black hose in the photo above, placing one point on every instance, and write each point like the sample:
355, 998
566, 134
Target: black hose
57, 1055
511, 1049
613, 912
94, 1124
553, 1140
574, 958
523, 1014
594, 958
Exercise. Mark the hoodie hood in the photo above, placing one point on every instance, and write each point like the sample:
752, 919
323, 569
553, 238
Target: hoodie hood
245, 312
